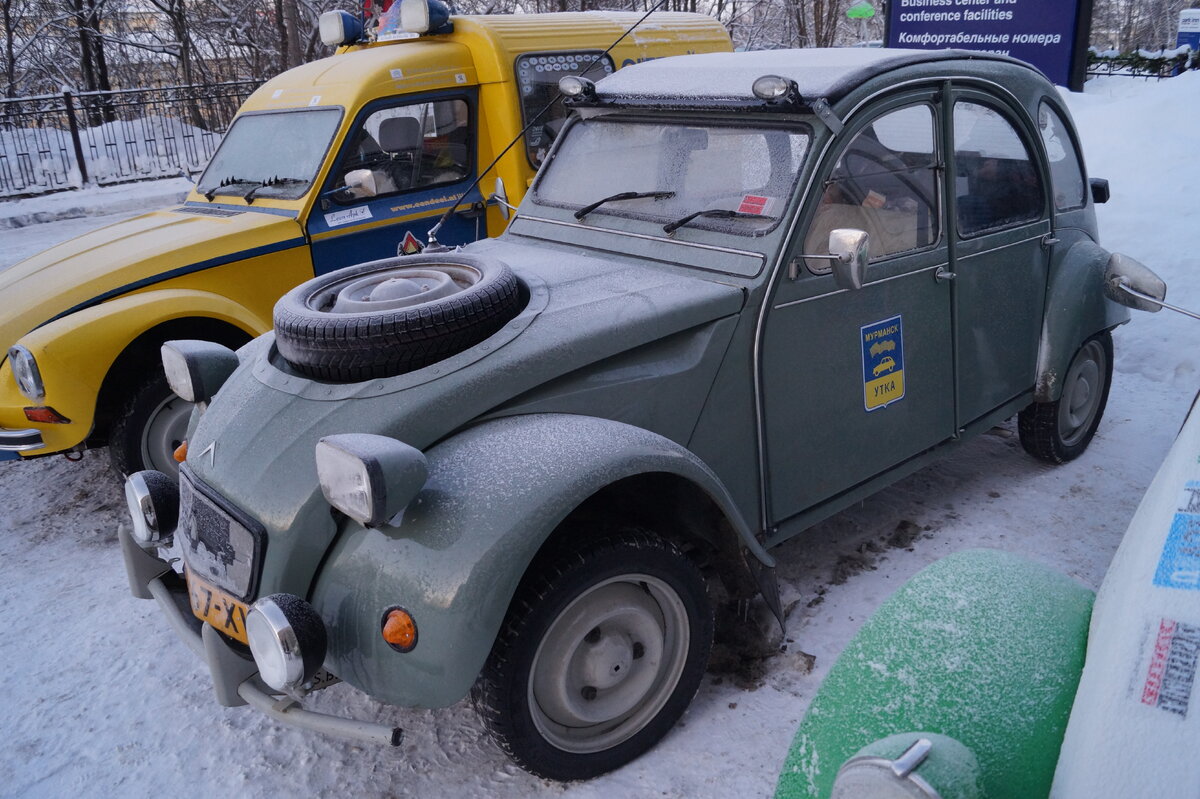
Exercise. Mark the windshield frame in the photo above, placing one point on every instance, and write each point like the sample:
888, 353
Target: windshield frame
621, 211
266, 192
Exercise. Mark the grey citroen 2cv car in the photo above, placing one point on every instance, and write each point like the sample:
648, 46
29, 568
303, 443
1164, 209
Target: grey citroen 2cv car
744, 292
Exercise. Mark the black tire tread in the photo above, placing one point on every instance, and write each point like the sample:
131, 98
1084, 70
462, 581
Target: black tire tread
1037, 424
488, 695
353, 348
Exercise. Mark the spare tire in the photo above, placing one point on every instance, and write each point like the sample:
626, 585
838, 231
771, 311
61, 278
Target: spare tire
393, 316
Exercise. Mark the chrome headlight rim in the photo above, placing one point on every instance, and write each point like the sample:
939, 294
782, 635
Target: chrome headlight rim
153, 502
27, 374
287, 640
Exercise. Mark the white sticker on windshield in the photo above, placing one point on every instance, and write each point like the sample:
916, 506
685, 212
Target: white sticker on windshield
316, 100
348, 216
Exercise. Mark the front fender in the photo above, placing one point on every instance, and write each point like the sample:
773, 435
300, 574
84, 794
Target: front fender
75, 352
495, 493
1076, 310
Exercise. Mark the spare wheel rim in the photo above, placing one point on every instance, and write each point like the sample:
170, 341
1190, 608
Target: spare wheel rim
394, 289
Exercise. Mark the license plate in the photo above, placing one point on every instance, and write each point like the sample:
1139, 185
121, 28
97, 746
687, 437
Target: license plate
216, 607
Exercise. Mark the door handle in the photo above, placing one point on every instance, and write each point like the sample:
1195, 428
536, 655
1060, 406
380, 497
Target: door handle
941, 274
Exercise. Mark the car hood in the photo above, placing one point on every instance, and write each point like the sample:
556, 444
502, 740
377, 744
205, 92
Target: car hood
131, 255
255, 442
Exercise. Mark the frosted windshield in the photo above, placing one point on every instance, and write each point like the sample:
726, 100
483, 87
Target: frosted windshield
278, 153
744, 175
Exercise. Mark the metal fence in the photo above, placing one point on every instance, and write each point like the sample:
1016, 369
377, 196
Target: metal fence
63, 141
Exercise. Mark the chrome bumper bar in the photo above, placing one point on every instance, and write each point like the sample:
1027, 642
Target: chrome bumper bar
235, 677
19, 440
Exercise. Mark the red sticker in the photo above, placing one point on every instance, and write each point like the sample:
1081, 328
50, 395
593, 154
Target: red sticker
753, 204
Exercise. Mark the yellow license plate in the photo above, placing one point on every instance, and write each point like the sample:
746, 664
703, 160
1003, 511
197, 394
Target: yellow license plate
216, 607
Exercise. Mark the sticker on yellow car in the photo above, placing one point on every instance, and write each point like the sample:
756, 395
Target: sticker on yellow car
883, 363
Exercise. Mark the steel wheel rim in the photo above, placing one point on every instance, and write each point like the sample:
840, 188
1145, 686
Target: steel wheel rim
163, 432
1082, 392
393, 289
608, 663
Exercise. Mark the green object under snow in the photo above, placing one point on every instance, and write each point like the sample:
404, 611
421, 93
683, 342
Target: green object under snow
984, 647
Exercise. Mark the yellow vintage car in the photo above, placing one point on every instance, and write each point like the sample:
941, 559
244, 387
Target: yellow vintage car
344, 160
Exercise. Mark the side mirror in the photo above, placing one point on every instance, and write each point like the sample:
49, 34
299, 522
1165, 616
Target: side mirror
1130, 283
360, 183
851, 249
500, 198
1099, 190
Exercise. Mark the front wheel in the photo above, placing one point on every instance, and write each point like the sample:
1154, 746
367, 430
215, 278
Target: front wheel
1060, 431
148, 428
601, 652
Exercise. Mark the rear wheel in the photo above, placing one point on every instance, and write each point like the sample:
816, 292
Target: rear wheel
601, 652
148, 429
1060, 431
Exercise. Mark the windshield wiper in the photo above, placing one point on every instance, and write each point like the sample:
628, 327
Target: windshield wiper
712, 213
229, 181
625, 195
256, 186
268, 183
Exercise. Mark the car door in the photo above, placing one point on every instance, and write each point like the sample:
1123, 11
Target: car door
1001, 226
854, 382
403, 163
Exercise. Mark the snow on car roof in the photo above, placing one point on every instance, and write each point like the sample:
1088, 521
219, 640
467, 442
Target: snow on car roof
818, 72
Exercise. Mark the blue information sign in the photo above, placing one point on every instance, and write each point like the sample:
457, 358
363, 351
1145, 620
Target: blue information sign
1046, 33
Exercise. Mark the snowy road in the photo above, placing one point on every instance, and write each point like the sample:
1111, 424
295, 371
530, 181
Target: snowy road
101, 701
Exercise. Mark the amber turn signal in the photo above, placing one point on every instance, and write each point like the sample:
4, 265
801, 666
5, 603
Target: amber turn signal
180, 453
399, 629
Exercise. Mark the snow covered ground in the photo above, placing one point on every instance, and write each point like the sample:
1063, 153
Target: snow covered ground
100, 700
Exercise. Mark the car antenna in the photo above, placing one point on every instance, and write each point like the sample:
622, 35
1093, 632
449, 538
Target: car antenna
431, 243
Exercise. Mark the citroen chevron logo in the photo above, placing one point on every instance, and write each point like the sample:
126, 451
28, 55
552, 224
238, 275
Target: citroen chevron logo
211, 451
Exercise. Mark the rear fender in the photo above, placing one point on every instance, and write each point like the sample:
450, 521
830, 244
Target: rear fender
454, 558
1076, 310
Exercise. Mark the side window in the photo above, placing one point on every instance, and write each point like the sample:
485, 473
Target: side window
537, 79
996, 181
1066, 168
407, 147
885, 182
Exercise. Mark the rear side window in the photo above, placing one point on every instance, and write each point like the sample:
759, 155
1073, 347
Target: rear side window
537, 80
1066, 168
997, 183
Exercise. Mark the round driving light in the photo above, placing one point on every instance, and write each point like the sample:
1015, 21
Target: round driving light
287, 639
399, 629
771, 87
576, 86
153, 501
25, 370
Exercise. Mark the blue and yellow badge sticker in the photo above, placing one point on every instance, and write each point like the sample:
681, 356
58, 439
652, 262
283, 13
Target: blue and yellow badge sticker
883, 363
1179, 565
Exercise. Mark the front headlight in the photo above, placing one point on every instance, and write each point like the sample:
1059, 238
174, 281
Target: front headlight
196, 370
367, 477
153, 500
25, 369
287, 639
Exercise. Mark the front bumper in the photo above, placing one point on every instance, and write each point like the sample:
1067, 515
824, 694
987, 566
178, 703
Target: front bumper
235, 676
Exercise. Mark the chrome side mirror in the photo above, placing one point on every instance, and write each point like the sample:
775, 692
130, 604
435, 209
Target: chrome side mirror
500, 198
360, 183
1132, 284
851, 250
